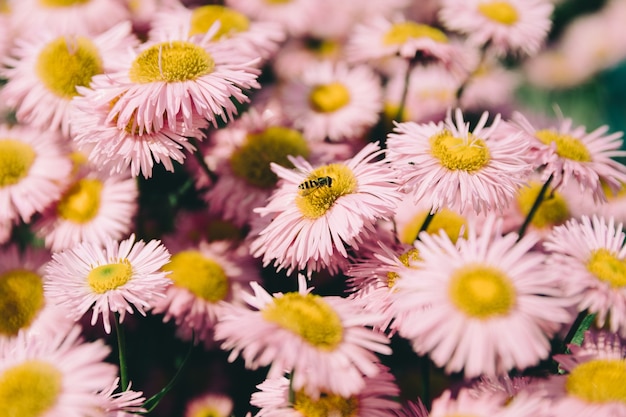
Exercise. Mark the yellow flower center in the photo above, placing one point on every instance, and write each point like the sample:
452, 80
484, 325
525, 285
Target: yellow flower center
81, 203
315, 201
67, 62
499, 11
481, 291
406, 258
108, 277
30, 389
171, 62
403, 31
566, 146
553, 210
277, 1
327, 405
459, 154
231, 21
201, 275
207, 412
308, 316
16, 158
21, 299
327, 98
62, 3
323, 47
607, 267
251, 162
598, 381
447, 220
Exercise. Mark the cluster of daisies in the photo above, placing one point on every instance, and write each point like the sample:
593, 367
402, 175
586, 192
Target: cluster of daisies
361, 175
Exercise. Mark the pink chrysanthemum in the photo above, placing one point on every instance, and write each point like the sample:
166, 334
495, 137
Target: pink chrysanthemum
463, 298
293, 16
58, 375
333, 101
448, 166
175, 76
46, 69
123, 403
376, 399
589, 257
118, 278
322, 341
94, 207
506, 26
317, 213
567, 153
33, 167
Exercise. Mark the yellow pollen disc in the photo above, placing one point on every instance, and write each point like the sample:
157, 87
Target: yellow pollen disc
16, 158
307, 316
251, 161
598, 381
207, 412
608, 192
459, 154
323, 47
315, 202
277, 2
553, 210
409, 256
446, 220
108, 277
171, 62
566, 146
327, 98
392, 278
67, 62
327, 405
62, 3
402, 32
204, 277
21, 299
30, 389
231, 21
4, 7
481, 291
499, 11
607, 267
81, 203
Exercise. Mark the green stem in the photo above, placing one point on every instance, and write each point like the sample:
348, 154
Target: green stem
200, 158
292, 393
463, 86
579, 327
405, 92
121, 349
535, 207
427, 220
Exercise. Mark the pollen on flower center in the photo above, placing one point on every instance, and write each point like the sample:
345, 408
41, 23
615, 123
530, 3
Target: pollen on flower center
481, 291
406, 258
21, 299
201, 275
598, 381
171, 62
553, 210
607, 267
403, 31
326, 405
81, 202
308, 316
30, 389
325, 185
566, 146
110, 276
231, 21
445, 219
207, 412
459, 154
67, 62
251, 161
327, 98
499, 11
16, 158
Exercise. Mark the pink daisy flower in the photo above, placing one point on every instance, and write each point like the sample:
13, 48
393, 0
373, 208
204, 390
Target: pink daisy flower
506, 26
312, 223
46, 69
203, 279
214, 405
119, 278
493, 405
322, 341
58, 375
174, 76
33, 167
589, 257
122, 403
376, 399
94, 207
568, 153
294, 16
448, 166
334, 101
463, 298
